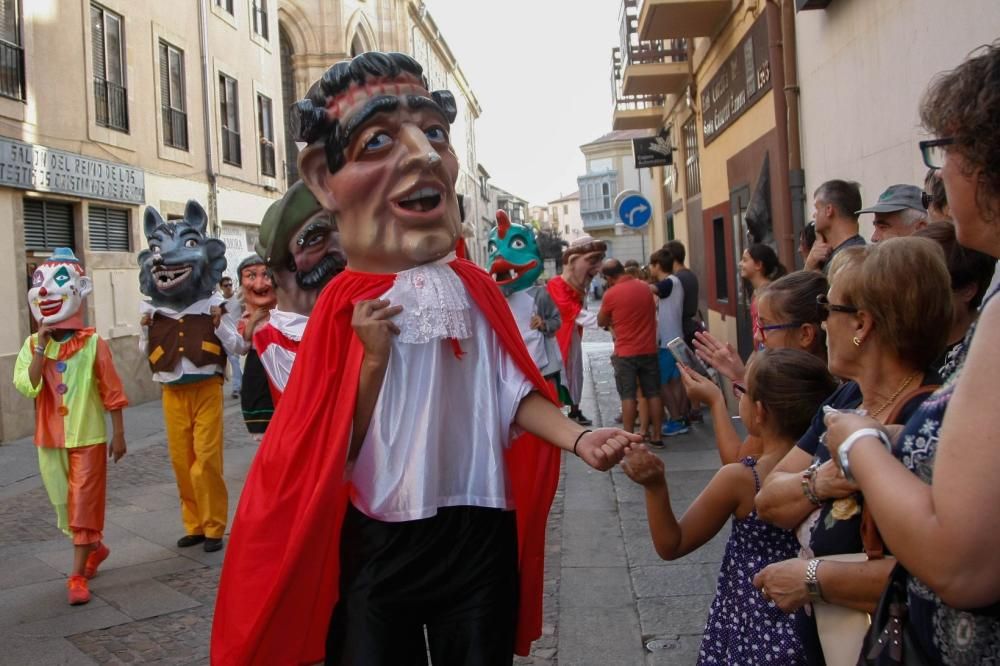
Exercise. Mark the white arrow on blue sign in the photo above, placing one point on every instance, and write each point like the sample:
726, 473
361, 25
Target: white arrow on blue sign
633, 209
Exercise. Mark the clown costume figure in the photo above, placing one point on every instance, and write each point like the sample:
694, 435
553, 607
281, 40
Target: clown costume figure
515, 264
300, 245
68, 370
403, 486
187, 343
257, 293
581, 261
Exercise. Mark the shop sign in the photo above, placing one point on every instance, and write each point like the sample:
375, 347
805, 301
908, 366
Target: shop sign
32, 167
652, 151
741, 81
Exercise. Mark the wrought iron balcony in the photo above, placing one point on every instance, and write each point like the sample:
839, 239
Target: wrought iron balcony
111, 104
651, 67
642, 111
11, 70
231, 147
175, 131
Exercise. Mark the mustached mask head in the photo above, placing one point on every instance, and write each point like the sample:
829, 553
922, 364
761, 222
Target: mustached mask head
58, 287
514, 259
183, 264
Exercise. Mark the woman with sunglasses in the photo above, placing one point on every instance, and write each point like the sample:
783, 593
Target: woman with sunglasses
885, 323
935, 494
787, 319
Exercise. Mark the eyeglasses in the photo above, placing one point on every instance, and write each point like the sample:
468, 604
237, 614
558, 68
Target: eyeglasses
933, 152
826, 307
777, 327
925, 200
738, 390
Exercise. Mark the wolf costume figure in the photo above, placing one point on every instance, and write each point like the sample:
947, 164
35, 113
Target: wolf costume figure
187, 346
300, 244
515, 263
68, 370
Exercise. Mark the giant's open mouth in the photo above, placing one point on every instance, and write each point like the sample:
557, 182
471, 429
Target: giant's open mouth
505, 272
421, 201
169, 277
50, 307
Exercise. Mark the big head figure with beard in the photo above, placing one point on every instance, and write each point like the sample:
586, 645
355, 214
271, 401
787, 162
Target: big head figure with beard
58, 287
300, 244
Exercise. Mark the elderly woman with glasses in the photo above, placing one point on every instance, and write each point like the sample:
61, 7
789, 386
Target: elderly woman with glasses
886, 322
787, 318
935, 491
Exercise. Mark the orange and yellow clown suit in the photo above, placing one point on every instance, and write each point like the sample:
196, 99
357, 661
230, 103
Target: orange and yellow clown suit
79, 383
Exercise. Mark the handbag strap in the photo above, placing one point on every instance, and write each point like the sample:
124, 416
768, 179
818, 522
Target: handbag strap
870, 537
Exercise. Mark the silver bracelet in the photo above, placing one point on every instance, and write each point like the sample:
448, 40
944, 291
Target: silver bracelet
845, 449
39, 349
812, 581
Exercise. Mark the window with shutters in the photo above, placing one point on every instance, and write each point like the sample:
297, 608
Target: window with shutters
110, 93
258, 9
172, 105
48, 225
230, 112
225, 4
691, 162
109, 229
11, 50
266, 127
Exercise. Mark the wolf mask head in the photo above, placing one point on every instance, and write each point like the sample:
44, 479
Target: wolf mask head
182, 265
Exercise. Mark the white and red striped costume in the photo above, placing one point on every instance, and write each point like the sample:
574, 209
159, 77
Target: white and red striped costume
276, 343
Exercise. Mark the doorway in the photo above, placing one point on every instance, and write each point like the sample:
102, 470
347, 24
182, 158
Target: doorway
739, 201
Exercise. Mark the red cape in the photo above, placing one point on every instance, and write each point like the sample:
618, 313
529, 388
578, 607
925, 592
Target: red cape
570, 303
280, 579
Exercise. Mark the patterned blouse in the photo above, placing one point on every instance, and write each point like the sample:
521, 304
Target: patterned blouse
950, 636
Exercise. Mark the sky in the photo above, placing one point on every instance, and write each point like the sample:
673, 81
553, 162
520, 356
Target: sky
541, 70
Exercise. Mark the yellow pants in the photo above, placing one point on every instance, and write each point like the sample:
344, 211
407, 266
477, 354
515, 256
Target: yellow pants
193, 416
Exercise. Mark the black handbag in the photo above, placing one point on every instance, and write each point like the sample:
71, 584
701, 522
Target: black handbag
890, 641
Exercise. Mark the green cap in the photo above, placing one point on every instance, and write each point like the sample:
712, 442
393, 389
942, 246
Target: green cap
282, 218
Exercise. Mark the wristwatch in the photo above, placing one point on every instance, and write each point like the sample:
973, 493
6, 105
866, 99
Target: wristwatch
845, 449
812, 582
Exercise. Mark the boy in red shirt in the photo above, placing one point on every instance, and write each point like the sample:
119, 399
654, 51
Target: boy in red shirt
629, 309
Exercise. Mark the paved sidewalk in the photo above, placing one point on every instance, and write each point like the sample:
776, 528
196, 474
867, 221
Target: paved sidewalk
608, 599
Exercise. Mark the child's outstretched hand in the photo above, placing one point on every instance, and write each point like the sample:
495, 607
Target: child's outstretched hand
643, 467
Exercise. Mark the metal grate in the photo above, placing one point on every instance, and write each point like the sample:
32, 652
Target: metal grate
47, 225
109, 229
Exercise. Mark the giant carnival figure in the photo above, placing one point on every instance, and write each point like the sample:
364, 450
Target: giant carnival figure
393, 494
581, 261
186, 345
515, 263
257, 293
300, 245
68, 370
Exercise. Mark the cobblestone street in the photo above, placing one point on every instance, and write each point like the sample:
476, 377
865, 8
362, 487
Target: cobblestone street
607, 595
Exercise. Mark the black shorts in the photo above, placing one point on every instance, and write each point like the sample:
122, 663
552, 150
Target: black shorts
454, 573
633, 371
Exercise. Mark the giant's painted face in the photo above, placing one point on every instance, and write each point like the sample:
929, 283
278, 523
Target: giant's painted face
394, 194
581, 269
514, 259
58, 287
182, 265
258, 291
315, 251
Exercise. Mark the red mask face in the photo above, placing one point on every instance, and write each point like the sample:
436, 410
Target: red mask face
258, 292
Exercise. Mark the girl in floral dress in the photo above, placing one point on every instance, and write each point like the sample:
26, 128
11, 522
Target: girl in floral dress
784, 388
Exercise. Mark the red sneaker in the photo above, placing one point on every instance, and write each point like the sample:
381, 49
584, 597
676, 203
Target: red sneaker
78, 592
94, 560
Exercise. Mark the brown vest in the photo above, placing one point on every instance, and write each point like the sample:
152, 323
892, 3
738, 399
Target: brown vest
191, 336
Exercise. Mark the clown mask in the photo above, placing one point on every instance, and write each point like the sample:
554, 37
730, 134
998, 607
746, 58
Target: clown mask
58, 287
514, 259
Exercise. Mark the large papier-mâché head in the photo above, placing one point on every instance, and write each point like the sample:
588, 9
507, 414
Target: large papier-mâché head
380, 160
582, 261
182, 265
58, 287
514, 260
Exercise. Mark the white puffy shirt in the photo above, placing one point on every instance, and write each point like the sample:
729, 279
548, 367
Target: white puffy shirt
441, 424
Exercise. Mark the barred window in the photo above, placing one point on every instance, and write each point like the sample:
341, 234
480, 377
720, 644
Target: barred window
110, 93
230, 113
172, 104
109, 229
11, 50
693, 167
265, 125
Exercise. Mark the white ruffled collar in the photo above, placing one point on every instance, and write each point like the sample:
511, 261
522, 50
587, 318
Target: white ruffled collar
435, 303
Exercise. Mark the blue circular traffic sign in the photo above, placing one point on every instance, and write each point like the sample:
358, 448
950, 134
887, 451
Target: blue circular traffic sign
633, 209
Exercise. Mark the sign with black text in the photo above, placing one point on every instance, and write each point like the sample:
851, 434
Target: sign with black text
652, 151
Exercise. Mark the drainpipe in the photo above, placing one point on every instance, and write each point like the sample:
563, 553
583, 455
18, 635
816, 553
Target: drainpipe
213, 187
783, 227
796, 175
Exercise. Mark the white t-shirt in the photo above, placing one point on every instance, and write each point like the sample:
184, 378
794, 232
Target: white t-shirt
669, 313
441, 423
